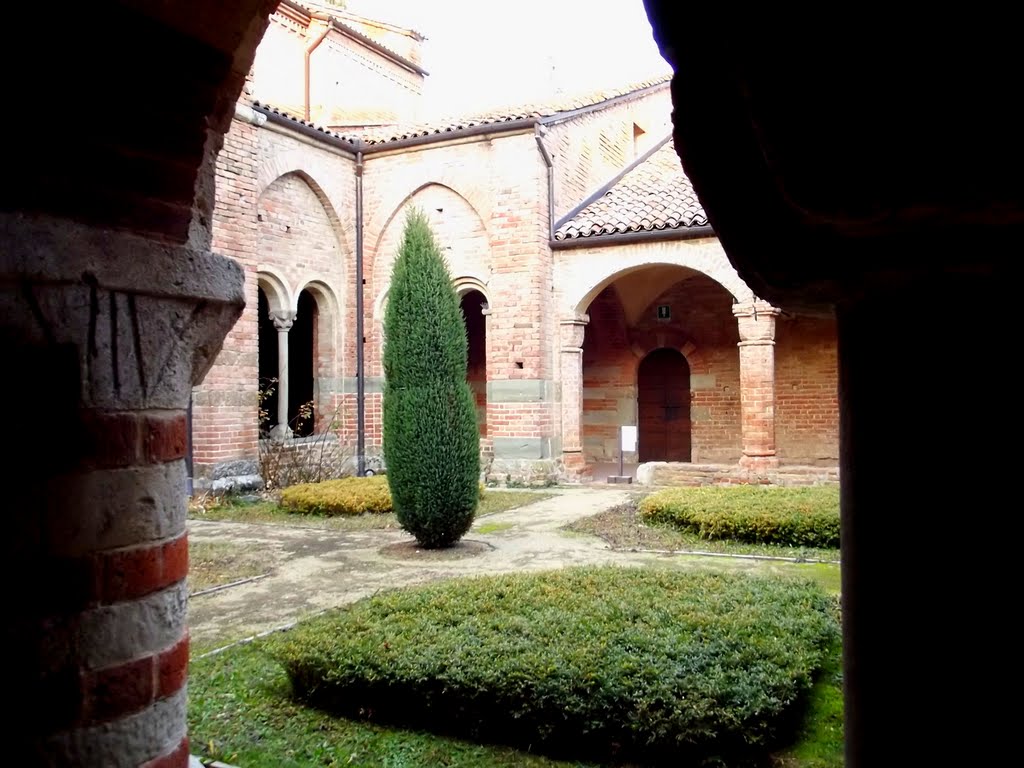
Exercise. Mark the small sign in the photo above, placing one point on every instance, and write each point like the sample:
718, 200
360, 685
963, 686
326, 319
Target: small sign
664, 312
628, 438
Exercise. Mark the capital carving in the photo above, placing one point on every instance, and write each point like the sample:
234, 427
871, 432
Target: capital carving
282, 319
139, 342
572, 330
756, 322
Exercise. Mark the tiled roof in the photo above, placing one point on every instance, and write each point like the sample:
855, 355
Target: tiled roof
353, 140
518, 112
545, 109
654, 195
495, 117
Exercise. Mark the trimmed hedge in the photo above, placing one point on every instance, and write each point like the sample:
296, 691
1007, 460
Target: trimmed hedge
348, 496
795, 517
587, 662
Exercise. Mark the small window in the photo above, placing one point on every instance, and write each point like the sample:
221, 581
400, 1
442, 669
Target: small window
638, 140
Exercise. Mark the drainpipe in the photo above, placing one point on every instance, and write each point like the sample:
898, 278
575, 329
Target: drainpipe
360, 341
309, 52
538, 132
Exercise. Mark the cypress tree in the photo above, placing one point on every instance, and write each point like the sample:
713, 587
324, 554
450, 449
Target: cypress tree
431, 439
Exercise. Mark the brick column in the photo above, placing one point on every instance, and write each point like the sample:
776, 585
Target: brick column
104, 334
756, 321
283, 321
571, 360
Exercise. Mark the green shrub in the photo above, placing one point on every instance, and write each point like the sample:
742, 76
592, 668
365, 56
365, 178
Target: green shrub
348, 496
632, 663
795, 517
431, 440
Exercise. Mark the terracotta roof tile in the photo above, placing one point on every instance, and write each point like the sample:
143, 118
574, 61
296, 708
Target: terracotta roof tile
518, 112
655, 195
497, 116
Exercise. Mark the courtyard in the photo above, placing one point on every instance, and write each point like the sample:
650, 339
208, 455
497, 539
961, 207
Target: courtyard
308, 568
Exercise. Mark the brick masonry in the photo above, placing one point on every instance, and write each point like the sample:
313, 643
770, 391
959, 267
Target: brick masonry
285, 210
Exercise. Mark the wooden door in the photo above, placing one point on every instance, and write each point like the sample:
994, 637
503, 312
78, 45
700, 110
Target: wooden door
663, 397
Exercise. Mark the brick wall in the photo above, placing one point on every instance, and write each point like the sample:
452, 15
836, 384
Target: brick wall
285, 209
224, 417
806, 396
385, 88
487, 204
277, 203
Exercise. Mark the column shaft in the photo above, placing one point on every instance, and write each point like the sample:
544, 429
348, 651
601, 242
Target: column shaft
756, 322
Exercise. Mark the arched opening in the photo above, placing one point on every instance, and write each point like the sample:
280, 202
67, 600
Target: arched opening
267, 364
473, 305
639, 311
301, 356
663, 404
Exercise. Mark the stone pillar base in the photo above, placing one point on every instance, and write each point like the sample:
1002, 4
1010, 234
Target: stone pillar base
574, 467
759, 463
523, 473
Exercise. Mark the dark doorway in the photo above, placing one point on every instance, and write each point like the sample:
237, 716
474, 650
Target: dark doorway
663, 396
267, 345
301, 357
473, 305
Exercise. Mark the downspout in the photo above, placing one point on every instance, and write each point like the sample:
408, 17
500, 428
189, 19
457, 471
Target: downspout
309, 52
538, 131
360, 341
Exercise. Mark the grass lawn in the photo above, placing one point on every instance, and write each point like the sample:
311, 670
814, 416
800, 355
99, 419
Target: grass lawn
241, 712
214, 563
269, 512
623, 529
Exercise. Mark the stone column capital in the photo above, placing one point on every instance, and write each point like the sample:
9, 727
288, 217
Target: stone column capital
756, 321
572, 330
282, 319
146, 318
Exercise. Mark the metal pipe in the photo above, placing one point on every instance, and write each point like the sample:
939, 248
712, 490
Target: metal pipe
537, 129
627, 238
309, 52
360, 341
358, 146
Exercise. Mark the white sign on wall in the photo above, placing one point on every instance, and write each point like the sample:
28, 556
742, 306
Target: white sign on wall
628, 438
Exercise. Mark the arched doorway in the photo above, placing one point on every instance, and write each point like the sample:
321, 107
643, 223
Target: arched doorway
473, 304
268, 367
301, 357
663, 398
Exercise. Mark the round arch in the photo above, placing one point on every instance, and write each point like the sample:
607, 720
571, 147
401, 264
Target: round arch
467, 283
326, 297
585, 278
275, 289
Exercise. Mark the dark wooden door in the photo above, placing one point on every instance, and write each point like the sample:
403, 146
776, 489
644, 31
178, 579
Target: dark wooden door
663, 397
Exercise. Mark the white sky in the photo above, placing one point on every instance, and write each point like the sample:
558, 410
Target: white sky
482, 53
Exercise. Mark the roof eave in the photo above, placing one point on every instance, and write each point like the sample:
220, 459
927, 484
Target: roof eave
629, 238
557, 117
